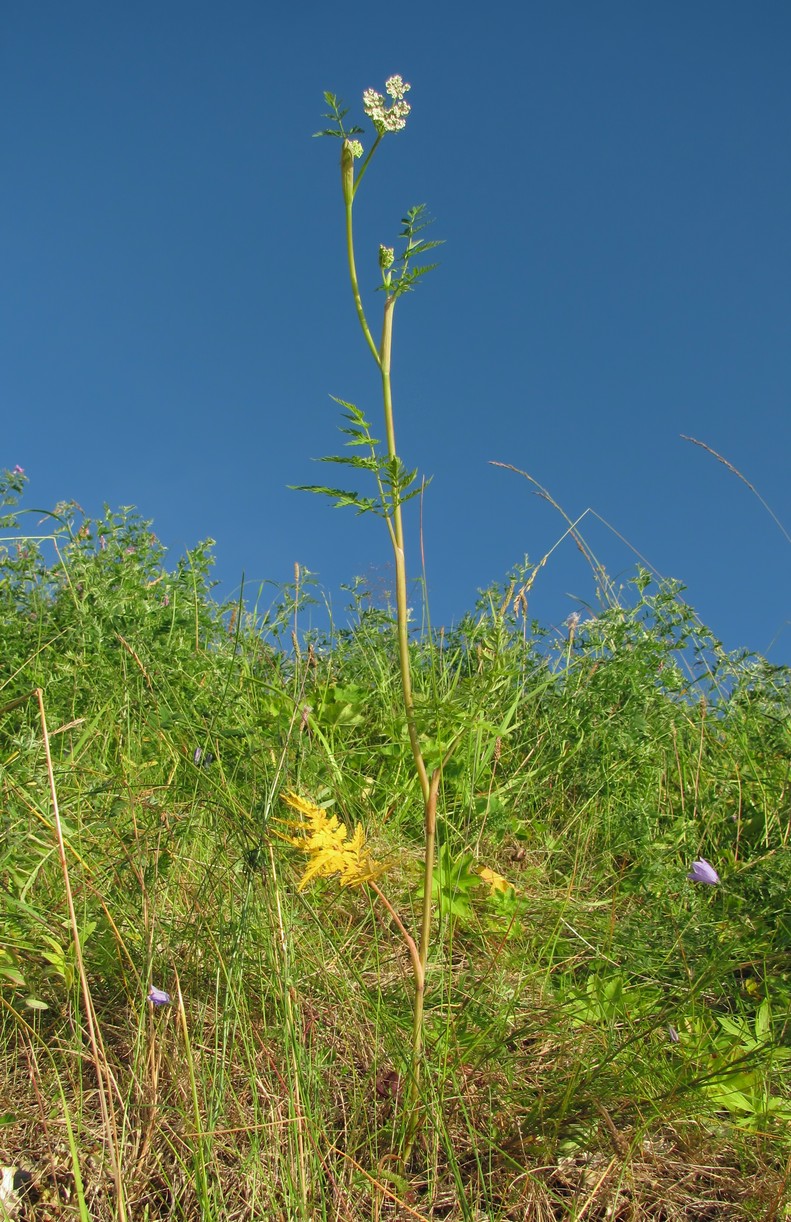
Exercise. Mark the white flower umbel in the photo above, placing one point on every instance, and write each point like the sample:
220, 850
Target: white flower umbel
388, 118
396, 86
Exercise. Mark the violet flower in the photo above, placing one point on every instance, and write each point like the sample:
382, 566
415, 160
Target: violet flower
702, 872
158, 996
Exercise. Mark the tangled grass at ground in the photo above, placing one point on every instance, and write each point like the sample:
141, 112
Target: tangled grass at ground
605, 1037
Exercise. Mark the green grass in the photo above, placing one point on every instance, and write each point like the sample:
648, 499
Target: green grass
588, 769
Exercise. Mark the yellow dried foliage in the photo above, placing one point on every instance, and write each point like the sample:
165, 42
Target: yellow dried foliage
324, 840
494, 880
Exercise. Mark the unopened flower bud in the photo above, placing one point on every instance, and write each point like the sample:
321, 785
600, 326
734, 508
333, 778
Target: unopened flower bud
347, 170
386, 257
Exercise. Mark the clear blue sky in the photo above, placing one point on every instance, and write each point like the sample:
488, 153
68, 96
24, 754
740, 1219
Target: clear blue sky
613, 181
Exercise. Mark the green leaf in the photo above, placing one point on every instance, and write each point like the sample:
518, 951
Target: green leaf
347, 706
354, 460
336, 114
340, 496
454, 883
763, 1022
420, 248
13, 975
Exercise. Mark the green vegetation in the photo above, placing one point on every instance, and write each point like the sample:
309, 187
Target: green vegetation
481, 923
602, 1034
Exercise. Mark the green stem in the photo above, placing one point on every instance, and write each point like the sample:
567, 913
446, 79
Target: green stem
420, 990
347, 179
366, 163
400, 557
429, 787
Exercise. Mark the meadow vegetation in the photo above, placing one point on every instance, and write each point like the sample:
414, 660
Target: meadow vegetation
604, 1036
481, 922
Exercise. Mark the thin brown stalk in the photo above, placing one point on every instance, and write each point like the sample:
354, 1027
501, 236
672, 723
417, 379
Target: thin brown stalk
103, 1074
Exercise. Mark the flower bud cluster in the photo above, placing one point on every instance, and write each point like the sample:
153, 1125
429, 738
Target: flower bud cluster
388, 118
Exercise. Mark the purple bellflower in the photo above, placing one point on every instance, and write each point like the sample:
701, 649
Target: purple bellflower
158, 996
702, 872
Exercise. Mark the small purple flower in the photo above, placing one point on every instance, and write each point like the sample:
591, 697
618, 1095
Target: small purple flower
158, 996
702, 872
202, 758
18, 470
673, 1033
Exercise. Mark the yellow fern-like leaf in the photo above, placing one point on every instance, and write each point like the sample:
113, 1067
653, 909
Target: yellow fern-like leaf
325, 842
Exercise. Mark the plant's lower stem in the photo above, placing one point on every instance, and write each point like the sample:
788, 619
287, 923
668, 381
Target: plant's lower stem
429, 788
413, 1097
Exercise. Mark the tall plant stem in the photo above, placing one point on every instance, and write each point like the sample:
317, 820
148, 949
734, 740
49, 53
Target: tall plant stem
347, 178
399, 555
429, 787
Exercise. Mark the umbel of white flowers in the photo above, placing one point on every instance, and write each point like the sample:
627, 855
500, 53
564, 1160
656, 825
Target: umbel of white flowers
388, 118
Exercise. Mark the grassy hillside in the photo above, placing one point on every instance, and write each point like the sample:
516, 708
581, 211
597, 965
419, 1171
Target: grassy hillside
605, 1037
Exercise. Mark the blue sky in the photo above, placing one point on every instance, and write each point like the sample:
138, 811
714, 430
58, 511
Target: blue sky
613, 184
